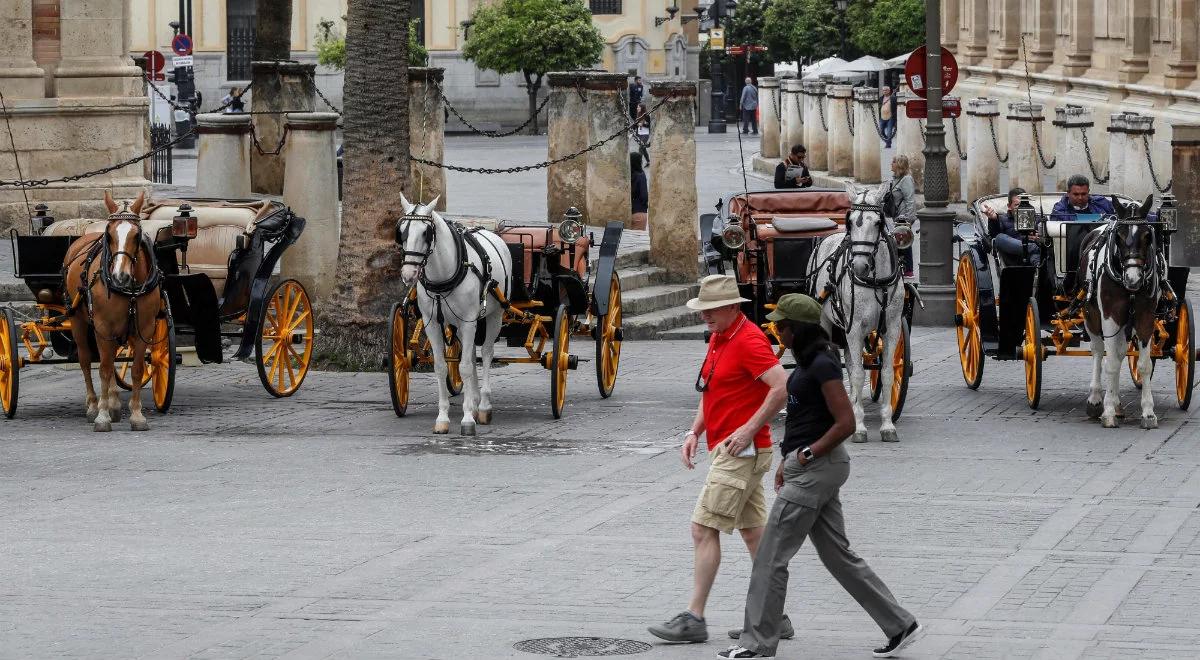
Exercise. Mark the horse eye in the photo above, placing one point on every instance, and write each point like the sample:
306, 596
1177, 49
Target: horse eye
859, 222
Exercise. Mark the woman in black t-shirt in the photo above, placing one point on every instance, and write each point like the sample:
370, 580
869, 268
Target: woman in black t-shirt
811, 473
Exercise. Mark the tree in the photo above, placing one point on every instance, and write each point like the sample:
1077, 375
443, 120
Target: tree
888, 28
746, 28
805, 29
533, 37
273, 30
376, 140
331, 45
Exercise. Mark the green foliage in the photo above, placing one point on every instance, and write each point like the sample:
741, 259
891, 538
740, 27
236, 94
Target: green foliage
533, 37
795, 30
417, 55
331, 46
887, 28
747, 28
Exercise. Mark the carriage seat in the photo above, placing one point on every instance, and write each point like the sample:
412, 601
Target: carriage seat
533, 237
765, 206
218, 227
804, 223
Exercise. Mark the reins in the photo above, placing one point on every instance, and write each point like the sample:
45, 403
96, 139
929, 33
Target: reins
101, 250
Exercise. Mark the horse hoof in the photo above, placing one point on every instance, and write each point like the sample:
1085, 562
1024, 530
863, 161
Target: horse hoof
483, 417
889, 435
1094, 410
1149, 422
138, 426
102, 427
441, 428
91, 415
1110, 423
115, 414
466, 429
859, 436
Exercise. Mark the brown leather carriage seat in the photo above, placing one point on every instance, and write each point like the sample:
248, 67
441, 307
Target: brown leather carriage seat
533, 237
765, 207
219, 224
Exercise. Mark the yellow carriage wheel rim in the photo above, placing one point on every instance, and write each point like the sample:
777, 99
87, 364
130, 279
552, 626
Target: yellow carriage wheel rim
400, 357
966, 303
158, 365
6, 365
898, 368
1032, 339
453, 346
1183, 346
288, 316
564, 354
125, 369
612, 345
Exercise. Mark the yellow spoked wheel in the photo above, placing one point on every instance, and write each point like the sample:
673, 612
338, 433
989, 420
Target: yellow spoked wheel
1185, 354
10, 365
1133, 366
161, 364
124, 368
284, 344
1033, 352
900, 365
772, 331
454, 352
399, 362
966, 317
560, 360
608, 341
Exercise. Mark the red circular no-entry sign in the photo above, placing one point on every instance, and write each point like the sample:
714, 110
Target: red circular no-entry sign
914, 72
154, 61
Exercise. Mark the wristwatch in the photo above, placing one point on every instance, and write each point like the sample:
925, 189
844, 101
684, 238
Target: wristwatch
807, 453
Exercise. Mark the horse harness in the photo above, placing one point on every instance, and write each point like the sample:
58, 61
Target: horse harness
1151, 278
837, 267
101, 250
462, 237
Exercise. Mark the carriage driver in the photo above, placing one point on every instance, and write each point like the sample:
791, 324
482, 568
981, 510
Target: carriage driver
742, 386
1079, 200
1003, 231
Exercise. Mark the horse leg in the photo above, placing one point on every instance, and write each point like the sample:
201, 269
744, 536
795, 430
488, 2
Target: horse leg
1114, 353
79, 333
887, 376
437, 345
487, 352
466, 367
854, 364
1146, 371
137, 420
1095, 400
104, 414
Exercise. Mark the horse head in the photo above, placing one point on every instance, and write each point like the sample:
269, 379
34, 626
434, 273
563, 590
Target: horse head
1132, 244
416, 233
865, 227
123, 235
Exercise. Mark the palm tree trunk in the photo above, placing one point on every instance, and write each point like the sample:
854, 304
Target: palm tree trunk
376, 166
273, 30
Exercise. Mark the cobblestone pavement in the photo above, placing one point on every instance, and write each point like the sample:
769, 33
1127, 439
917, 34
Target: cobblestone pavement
323, 526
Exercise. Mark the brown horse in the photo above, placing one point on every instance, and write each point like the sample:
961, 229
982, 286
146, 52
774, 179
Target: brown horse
112, 285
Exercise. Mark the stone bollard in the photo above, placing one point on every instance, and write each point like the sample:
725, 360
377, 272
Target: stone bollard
310, 189
956, 146
816, 128
983, 165
566, 133
841, 148
793, 102
223, 156
674, 206
910, 141
785, 119
867, 143
276, 86
1185, 162
608, 186
1128, 158
1024, 166
1071, 150
768, 116
426, 136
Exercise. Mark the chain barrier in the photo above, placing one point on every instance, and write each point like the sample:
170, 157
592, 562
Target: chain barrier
850, 116
1087, 149
36, 183
544, 164
492, 134
192, 111
1037, 141
1150, 164
996, 143
821, 111
16, 159
878, 129
957, 145
778, 106
312, 81
258, 145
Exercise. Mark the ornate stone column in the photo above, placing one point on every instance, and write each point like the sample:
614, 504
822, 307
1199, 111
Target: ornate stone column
793, 115
310, 189
1181, 64
910, 140
608, 166
983, 164
1139, 26
276, 86
95, 61
1024, 169
975, 50
816, 126
1008, 47
1072, 155
426, 136
866, 136
950, 9
1081, 31
1042, 45
956, 154
674, 206
566, 133
768, 116
20, 76
1185, 161
841, 146
1128, 159
223, 156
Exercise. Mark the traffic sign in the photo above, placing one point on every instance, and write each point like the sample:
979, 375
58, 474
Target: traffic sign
182, 44
154, 61
716, 38
919, 108
182, 61
158, 76
915, 76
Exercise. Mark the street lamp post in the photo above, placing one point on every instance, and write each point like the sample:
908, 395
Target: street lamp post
841, 7
717, 11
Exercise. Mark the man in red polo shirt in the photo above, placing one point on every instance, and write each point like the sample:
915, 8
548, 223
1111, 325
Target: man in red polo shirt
742, 386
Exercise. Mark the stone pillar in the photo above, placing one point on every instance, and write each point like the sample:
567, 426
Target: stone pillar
566, 133
793, 116
841, 148
768, 116
1007, 49
1024, 169
674, 205
95, 60
223, 156
20, 76
1072, 121
276, 86
975, 49
983, 165
866, 136
1129, 171
956, 147
1181, 63
910, 140
1079, 42
310, 189
608, 166
426, 136
1042, 44
816, 125
1139, 27
1185, 161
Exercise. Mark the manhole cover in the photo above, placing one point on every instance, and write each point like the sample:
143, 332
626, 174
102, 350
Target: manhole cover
574, 647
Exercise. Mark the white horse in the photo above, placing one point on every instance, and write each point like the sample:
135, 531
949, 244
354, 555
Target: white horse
858, 280
455, 270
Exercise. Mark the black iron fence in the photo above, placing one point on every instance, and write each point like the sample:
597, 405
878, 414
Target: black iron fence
160, 162
240, 47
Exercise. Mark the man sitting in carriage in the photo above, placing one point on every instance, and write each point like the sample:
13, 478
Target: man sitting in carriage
1005, 237
1079, 201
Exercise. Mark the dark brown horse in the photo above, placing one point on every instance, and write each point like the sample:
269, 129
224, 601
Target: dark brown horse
1120, 268
112, 286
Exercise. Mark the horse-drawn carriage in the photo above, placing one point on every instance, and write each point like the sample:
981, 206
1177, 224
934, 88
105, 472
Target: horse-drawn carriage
538, 291
796, 241
1013, 309
216, 259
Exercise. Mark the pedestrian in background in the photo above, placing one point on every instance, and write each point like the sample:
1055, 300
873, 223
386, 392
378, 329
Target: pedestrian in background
793, 172
639, 192
741, 386
636, 91
812, 470
748, 103
233, 101
904, 196
887, 116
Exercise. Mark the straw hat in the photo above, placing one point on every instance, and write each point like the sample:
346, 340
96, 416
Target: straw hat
716, 291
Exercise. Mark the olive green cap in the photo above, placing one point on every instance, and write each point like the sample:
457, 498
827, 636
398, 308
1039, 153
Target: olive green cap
796, 307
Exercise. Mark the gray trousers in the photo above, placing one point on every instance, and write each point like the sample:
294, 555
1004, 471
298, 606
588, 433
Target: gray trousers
808, 506
1013, 247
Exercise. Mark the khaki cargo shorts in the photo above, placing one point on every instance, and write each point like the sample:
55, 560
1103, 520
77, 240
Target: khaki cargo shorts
733, 497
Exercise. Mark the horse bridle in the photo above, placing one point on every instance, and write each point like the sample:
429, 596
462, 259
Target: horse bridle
867, 249
402, 230
1116, 258
410, 256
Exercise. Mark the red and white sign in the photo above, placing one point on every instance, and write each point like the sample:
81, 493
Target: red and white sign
154, 61
915, 76
182, 44
919, 108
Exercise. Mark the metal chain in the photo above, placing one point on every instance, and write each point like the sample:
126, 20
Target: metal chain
1087, 149
258, 145
1150, 164
778, 106
957, 145
850, 117
16, 157
821, 111
544, 164
35, 183
996, 143
875, 118
492, 134
188, 108
312, 80
1037, 141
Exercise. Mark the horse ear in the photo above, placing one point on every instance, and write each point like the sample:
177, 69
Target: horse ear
406, 205
1146, 206
1122, 212
432, 204
138, 203
852, 190
109, 203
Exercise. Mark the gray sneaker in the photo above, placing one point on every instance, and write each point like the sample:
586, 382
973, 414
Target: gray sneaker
786, 632
683, 627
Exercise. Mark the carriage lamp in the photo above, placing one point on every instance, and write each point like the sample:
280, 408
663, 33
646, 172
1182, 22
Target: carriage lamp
903, 234
1168, 214
1026, 215
570, 229
733, 236
41, 218
184, 225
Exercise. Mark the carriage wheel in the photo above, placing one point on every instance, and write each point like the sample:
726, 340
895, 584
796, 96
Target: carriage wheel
901, 365
454, 353
873, 354
124, 369
966, 316
560, 360
10, 365
161, 364
399, 362
1185, 354
1033, 353
283, 347
1133, 366
608, 342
